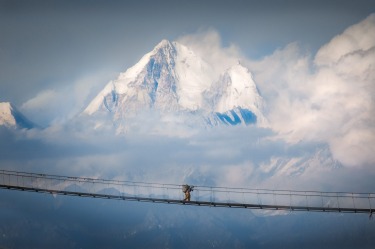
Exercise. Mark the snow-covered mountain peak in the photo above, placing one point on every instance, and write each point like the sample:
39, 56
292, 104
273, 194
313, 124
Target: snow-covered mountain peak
164, 47
6, 116
174, 79
163, 44
239, 89
170, 74
11, 117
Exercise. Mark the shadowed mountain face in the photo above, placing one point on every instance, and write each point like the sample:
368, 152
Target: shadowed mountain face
173, 80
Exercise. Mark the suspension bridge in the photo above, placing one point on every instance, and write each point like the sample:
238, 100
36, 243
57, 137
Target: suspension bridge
265, 199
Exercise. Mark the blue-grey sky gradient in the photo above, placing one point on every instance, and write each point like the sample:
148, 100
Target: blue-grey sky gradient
50, 44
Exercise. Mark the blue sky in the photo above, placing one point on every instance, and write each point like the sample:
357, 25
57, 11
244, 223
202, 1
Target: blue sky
311, 61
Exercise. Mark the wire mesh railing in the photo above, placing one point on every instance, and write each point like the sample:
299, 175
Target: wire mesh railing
202, 195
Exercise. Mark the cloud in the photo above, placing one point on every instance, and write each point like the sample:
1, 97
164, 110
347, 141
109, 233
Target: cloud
308, 105
330, 98
227, 156
359, 37
67, 99
42, 99
207, 43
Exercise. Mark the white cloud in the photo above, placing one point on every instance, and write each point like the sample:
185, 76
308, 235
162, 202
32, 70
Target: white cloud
207, 44
312, 103
41, 100
42, 107
359, 37
326, 99
330, 99
56, 106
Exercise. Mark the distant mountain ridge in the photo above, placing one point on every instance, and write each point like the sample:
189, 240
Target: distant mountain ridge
11, 117
173, 79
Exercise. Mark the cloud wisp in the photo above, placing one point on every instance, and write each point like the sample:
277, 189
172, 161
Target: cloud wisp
60, 104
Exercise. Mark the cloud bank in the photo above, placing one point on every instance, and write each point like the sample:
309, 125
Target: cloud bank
328, 97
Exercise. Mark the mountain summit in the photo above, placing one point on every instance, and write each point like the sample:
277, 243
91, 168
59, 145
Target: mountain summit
172, 79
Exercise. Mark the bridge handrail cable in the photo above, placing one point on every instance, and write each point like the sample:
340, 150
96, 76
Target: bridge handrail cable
217, 189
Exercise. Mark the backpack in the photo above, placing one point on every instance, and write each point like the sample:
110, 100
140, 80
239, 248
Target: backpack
185, 188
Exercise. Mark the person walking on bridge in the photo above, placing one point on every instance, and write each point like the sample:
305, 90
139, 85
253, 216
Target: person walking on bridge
187, 189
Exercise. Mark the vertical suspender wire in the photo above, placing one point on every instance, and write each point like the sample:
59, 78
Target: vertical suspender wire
290, 195
211, 197
259, 199
369, 202
123, 190
353, 201
274, 198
